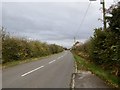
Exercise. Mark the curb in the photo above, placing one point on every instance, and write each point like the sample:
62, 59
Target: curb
72, 86
76, 71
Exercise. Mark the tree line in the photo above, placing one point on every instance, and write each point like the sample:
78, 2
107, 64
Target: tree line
104, 47
16, 48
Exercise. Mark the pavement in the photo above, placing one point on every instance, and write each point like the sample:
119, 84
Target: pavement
85, 79
52, 72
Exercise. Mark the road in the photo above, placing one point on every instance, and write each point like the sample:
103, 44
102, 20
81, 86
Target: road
52, 72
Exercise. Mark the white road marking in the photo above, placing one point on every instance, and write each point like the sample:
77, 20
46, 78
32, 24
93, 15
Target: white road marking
58, 57
52, 61
32, 71
61, 56
41, 66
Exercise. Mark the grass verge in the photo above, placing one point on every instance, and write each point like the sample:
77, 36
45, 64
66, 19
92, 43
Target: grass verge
83, 64
14, 63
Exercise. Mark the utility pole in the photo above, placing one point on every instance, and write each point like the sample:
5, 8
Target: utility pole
103, 7
74, 40
104, 17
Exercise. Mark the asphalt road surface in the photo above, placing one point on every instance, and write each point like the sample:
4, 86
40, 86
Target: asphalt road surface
52, 72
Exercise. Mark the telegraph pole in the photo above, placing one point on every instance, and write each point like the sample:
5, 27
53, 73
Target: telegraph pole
104, 18
74, 40
103, 7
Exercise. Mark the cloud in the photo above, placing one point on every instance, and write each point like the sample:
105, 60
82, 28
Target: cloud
51, 22
0, 14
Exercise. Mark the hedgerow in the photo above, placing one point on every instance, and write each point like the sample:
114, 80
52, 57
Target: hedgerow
15, 48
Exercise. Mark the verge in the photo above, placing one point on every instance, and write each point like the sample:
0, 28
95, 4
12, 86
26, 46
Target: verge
83, 64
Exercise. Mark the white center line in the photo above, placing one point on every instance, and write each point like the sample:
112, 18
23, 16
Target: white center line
58, 57
32, 71
52, 61
62, 56
41, 66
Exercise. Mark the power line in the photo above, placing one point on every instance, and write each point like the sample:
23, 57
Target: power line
115, 1
83, 19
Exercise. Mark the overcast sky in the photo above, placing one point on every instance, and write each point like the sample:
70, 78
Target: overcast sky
52, 22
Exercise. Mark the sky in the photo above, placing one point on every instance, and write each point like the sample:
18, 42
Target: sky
52, 21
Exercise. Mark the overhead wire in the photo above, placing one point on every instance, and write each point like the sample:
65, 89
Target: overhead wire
76, 34
114, 1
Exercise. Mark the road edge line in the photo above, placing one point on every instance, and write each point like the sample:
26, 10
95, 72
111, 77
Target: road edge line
72, 85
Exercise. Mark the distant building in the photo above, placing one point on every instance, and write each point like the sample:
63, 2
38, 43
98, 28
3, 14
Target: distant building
77, 44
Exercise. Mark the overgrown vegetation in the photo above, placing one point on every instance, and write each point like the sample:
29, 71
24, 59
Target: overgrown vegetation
103, 49
14, 48
82, 64
0, 46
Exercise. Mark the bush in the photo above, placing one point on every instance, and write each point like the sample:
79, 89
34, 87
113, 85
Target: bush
14, 48
104, 47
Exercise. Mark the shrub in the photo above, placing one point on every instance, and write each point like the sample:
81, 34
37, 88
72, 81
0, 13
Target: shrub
14, 48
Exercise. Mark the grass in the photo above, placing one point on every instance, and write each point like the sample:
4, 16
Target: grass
14, 63
83, 64
0, 66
